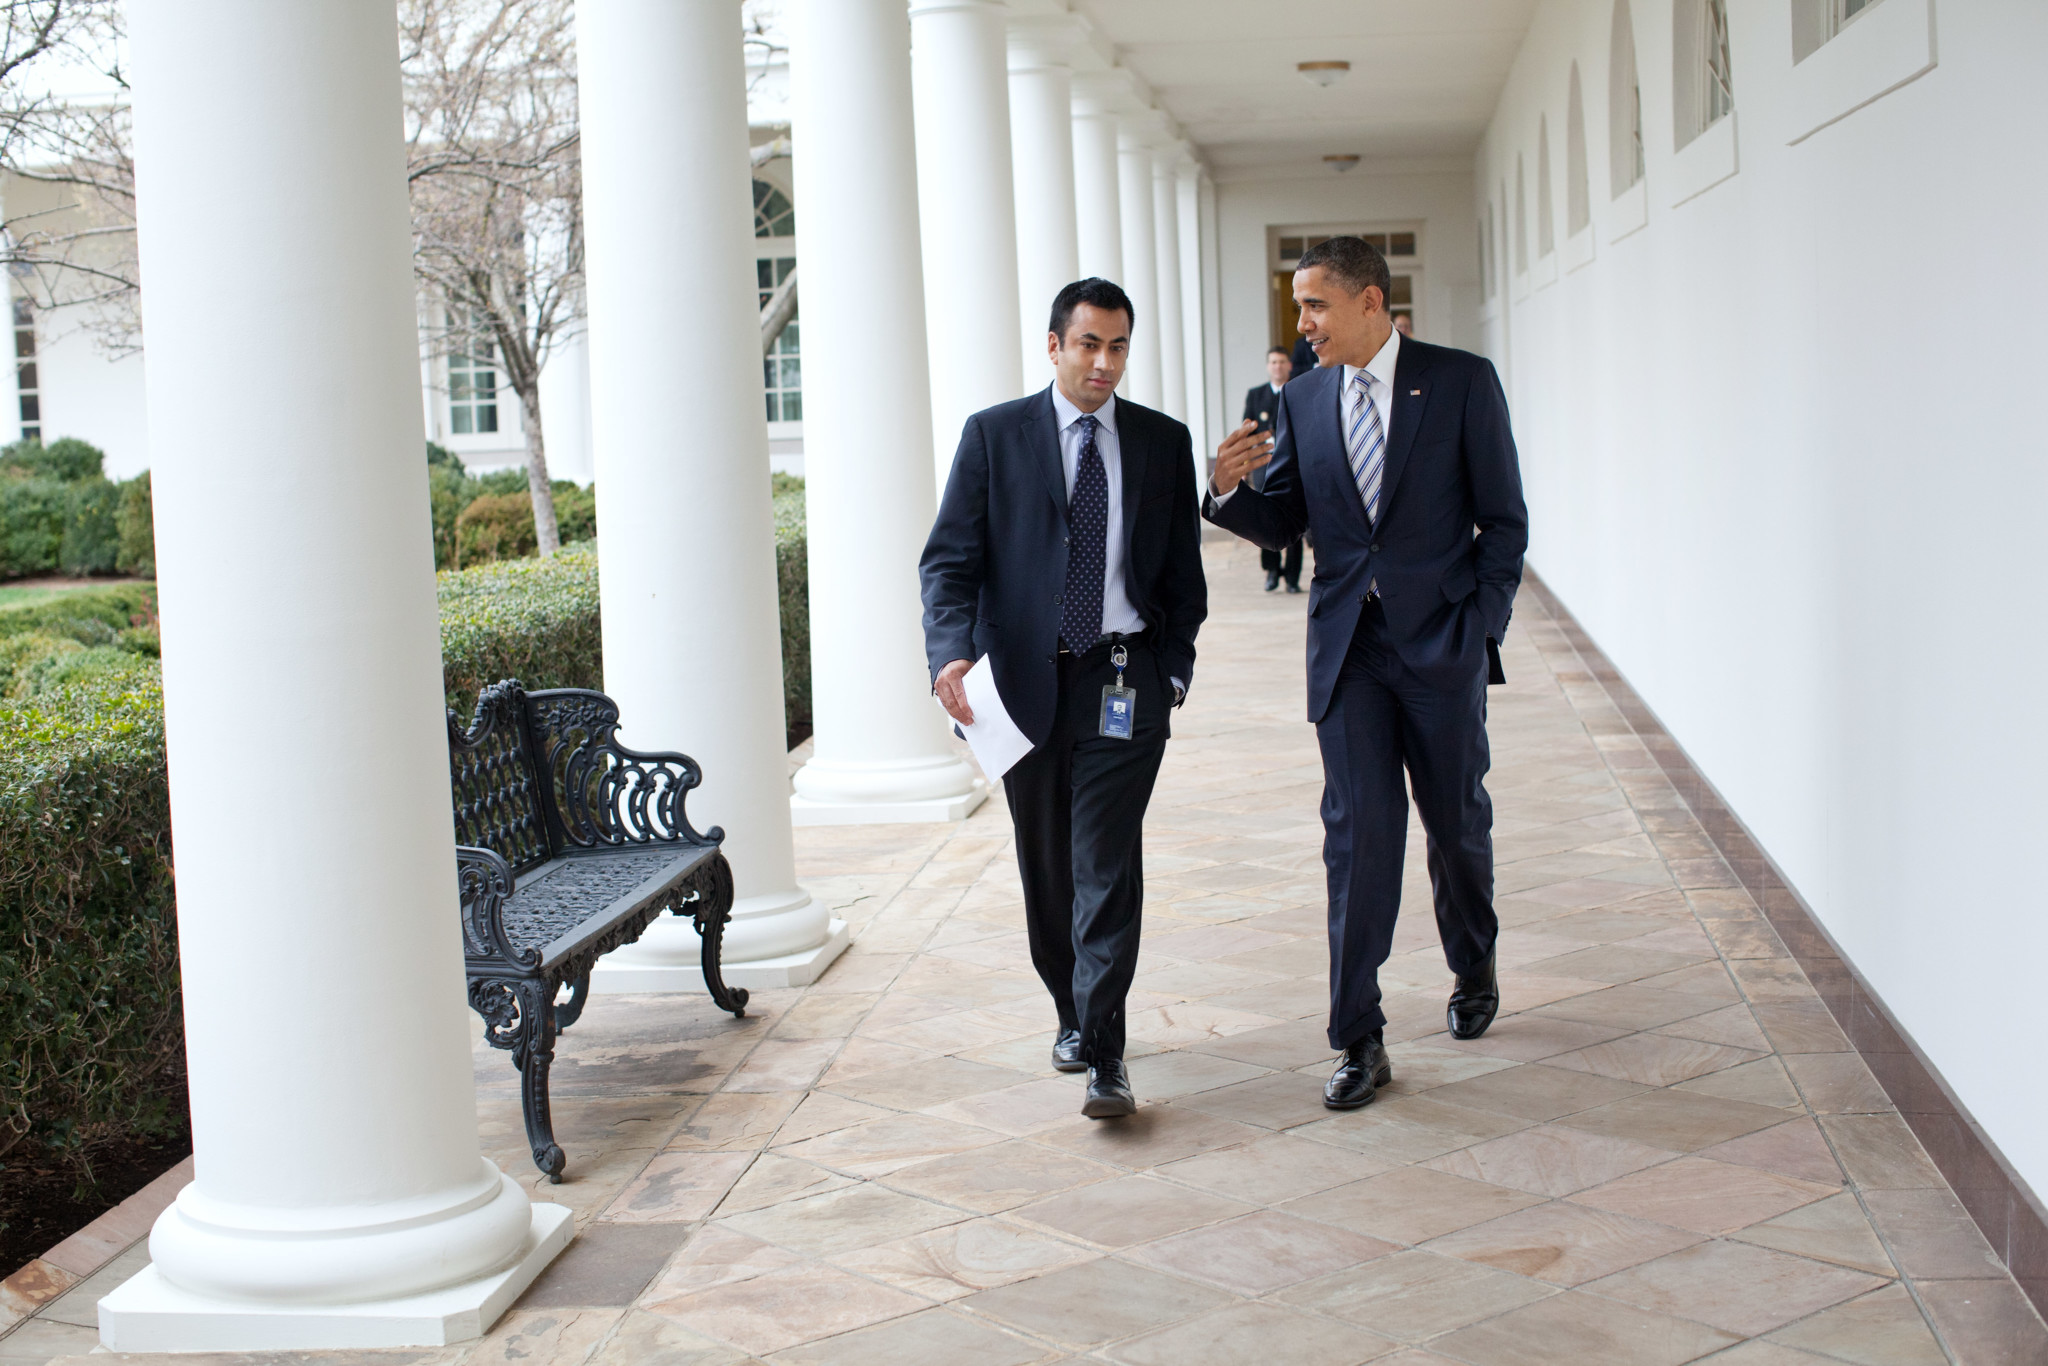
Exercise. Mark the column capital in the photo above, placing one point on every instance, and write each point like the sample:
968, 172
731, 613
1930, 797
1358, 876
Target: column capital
1047, 41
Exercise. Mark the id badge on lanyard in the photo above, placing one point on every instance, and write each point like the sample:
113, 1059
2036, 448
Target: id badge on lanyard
1119, 704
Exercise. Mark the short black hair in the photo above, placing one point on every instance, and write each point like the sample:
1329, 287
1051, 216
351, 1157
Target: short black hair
1281, 352
1353, 262
1094, 290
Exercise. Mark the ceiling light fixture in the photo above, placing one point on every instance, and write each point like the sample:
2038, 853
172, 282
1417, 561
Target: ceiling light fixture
1343, 162
1324, 74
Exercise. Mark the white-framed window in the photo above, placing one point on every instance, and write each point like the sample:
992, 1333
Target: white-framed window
1624, 105
775, 258
27, 382
782, 368
1702, 79
1816, 21
472, 380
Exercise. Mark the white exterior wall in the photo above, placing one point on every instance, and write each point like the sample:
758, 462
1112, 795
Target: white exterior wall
1435, 194
87, 393
1783, 462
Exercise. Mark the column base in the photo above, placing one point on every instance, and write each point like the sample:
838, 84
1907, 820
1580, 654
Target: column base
149, 1314
809, 811
761, 974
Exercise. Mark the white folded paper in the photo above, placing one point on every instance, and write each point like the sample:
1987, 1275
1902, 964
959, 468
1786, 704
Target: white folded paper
994, 737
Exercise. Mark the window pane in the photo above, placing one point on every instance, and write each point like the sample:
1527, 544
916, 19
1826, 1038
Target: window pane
792, 374
487, 417
31, 410
771, 409
1403, 289
1401, 244
458, 387
764, 274
486, 382
792, 407
458, 421
1378, 239
24, 313
768, 372
24, 343
31, 433
1290, 248
783, 266
28, 376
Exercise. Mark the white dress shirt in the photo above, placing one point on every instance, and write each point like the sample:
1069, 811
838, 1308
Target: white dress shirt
1118, 616
1381, 368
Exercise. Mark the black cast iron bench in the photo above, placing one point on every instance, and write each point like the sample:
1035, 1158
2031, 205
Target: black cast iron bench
568, 846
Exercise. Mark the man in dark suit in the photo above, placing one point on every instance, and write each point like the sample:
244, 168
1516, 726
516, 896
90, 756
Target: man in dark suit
1067, 549
1259, 406
1303, 358
1398, 457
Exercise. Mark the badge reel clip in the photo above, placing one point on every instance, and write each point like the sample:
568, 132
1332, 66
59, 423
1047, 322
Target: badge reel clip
1119, 704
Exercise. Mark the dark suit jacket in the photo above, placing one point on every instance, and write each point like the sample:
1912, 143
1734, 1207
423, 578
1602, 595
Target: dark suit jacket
1304, 357
997, 557
1450, 468
1260, 404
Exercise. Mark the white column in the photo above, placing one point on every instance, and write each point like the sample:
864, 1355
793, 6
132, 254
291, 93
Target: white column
1187, 193
1098, 198
968, 207
1218, 396
1141, 264
1042, 157
1173, 375
341, 1198
692, 648
883, 750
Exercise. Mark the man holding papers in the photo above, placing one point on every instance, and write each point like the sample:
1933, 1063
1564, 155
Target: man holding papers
1067, 551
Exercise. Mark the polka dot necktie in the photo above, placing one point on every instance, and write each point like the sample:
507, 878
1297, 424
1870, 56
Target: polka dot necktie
1088, 521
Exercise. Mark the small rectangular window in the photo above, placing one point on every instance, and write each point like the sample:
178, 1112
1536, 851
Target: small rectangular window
1402, 291
31, 408
1290, 248
782, 374
1400, 244
25, 342
473, 384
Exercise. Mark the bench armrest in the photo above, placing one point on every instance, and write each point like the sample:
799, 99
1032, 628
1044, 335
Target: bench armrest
484, 882
639, 797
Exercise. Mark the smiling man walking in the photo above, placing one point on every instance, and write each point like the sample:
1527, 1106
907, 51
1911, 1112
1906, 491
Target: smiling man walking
1067, 549
1397, 456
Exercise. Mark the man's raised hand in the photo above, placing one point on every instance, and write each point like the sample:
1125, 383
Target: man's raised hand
952, 696
1243, 451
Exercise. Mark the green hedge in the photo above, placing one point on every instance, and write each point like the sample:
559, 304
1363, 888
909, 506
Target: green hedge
60, 515
91, 1044
793, 583
534, 620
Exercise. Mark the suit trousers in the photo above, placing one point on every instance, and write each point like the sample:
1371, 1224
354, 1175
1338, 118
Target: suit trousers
1286, 563
1383, 719
1078, 806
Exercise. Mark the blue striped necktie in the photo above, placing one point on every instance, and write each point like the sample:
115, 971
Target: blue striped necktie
1368, 445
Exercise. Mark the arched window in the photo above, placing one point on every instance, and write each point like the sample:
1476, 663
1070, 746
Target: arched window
1546, 224
773, 216
1624, 105
1702, 85
1578, 203
1521, 219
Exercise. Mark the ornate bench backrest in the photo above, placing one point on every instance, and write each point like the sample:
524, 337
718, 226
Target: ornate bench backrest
501, 801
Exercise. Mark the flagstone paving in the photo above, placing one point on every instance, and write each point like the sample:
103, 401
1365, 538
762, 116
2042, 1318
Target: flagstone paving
1664, 1151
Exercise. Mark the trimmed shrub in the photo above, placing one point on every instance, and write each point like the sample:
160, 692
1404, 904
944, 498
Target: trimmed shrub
92, 528
137, 551
32, 515
534, 620
495, 526
90, 616
66, 460
793, 582
91, 1044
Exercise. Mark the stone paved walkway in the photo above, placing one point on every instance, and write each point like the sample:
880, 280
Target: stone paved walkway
1663, 1151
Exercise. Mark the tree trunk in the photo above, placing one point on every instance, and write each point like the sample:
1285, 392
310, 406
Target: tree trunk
537, 485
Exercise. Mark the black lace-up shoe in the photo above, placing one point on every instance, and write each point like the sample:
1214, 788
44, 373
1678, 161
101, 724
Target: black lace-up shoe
1360, 1073
1066, 1052
1109, 1091
1475, 1000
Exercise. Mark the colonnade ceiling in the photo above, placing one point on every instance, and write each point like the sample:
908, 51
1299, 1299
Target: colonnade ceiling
1425, 74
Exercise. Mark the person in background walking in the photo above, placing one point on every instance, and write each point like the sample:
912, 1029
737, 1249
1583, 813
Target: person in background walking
1259, 406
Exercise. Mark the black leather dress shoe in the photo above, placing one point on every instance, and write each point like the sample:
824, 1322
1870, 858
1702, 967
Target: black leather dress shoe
1066, 1052
1109, 1091
1475, 1000
1294, 588
1272, 581
1360, 1073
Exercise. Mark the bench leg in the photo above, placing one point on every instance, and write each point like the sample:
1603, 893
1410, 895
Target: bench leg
519, 1015
534, 1056
711, 905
